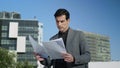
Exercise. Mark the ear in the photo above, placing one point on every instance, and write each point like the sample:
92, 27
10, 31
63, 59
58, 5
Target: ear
68, 21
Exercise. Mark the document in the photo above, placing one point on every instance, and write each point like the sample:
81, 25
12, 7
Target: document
53, 48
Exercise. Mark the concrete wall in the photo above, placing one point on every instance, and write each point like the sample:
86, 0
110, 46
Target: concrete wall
104, 64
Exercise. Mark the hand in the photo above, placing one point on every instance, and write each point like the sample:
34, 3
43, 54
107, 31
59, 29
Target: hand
68, 57
38, 57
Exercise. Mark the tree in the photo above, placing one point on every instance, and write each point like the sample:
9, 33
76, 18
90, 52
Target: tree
24, 64
6, 59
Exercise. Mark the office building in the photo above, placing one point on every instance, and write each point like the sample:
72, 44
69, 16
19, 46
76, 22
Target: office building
14, 33
99, 46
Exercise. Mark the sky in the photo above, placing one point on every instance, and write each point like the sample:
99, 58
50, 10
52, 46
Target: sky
97, 16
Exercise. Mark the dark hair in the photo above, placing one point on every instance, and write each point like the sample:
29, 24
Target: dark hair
61, 11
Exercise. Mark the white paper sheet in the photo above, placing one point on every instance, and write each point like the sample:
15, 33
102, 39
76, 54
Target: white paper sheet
38, 48
53, 49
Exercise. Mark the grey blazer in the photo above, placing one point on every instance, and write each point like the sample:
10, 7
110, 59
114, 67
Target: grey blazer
77, 46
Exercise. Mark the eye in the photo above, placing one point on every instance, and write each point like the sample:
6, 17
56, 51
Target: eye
62, 21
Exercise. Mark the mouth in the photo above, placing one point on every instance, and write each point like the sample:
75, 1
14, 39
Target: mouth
59, 27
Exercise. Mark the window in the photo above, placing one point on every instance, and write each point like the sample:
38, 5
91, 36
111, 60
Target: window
11, 48
4, 35
4, 27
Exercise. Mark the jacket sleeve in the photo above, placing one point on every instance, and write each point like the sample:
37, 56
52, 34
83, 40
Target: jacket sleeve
47, 62
84, 56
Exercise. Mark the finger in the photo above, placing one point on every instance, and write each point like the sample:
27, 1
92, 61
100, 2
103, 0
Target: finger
39, 58
65, 54
67, 60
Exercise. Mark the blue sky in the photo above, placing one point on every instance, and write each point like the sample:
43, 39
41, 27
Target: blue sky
97, 16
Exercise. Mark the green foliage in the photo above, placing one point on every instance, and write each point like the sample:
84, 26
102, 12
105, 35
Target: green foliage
6, 58
24, 64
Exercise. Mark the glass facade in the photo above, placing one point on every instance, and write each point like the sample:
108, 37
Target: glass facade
99, 46
25, 28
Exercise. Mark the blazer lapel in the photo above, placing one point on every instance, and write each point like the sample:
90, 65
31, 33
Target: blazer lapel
69, 40
54, 37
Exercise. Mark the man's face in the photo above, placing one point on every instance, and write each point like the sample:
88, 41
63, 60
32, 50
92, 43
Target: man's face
62, 23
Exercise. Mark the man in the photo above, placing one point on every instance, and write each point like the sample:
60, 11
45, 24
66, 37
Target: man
78, 54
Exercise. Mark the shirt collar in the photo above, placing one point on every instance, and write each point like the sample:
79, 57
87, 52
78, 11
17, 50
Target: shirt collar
61, 33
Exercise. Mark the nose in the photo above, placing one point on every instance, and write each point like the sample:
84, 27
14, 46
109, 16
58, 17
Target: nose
59, 23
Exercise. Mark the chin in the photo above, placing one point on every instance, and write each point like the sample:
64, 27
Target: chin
61, 30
